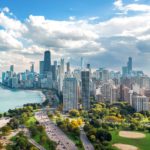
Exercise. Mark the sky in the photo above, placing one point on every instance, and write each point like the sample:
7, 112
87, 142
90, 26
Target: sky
104, 32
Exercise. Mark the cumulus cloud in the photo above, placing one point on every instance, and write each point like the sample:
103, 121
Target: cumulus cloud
134, 7
104, 44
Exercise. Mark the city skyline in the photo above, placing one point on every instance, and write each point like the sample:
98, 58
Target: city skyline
105, 34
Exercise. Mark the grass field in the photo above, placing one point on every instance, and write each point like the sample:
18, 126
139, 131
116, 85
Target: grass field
142, 144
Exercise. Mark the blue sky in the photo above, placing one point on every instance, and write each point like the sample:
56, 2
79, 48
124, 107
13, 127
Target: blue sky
60, 9
104, 32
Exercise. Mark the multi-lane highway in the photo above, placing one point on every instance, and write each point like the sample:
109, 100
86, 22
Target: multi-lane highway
54, 133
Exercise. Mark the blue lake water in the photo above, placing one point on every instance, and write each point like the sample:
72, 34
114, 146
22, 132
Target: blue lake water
10, 99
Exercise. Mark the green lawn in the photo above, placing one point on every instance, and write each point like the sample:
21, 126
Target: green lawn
142, 144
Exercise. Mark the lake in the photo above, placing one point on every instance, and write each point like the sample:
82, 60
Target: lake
10, 99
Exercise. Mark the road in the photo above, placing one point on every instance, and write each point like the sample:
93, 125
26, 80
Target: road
86, 143
54, 133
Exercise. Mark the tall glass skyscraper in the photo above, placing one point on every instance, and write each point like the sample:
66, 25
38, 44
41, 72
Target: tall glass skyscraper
41, 67
47, 61
85, 78
129, 65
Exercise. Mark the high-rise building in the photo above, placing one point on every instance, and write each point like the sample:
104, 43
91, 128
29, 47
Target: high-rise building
129, 64
41, 67
109, 92
124, 93
14, 82
70, 94
56, 69
61, 74
82, 63
54, 73
68, 67
85, 79
124, 71
3, 77
32, 67
140, 103
12, 68
145, 82
47, 62
89, 67
105, 75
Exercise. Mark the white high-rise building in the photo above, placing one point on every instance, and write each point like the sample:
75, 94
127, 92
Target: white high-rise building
109, 92
61, 74
140, 103
70, 94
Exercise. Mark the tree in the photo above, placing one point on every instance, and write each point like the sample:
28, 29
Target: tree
33, 131
6, 129
93, 138
40, 128
33, 148
43, 139
74, 113
87, 127
1, 115
133, 126
14, 123
103, 135
79, 121
138, 116
21, 141
113, 119
24, 117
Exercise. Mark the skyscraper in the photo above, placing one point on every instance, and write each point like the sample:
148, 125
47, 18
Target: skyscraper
41, 67
68, 67
61, 74
12, 68
88, 66
32, 67
82, 63
129, 64
70, 94
85, 79
54, 73
140, 103
109, 92
47, 62
124, 71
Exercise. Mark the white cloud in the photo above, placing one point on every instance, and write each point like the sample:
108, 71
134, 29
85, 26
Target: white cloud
106, 43
118, 4
135, 7
72, 18
93, 18
8, 42
11, 24
6, 9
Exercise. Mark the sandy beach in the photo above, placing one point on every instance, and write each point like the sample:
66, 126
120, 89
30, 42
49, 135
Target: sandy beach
4, 121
